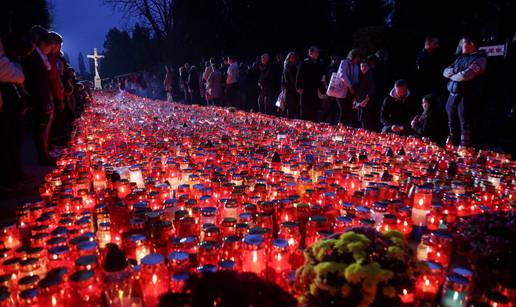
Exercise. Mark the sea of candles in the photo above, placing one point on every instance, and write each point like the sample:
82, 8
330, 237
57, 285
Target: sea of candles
187, 189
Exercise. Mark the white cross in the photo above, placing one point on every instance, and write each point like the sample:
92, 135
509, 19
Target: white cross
95, 56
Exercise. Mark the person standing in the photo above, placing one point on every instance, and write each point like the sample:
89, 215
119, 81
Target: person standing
429, 65
194, 88
183, 79
214, 85
267, 98
232, 81
11, 117
309, 85
398, 109
331, 107
349, 71
365, 98
289, 85
168, 83
465, 88
38, 83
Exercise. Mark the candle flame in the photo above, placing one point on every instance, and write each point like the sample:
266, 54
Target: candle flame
455, 295
154, 279
54, 301
405, 291
421, 202
255, 256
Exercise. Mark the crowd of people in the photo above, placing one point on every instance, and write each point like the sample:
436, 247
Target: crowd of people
38, 89
349, 91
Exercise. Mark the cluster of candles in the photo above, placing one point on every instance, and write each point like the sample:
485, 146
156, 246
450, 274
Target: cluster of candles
183, 190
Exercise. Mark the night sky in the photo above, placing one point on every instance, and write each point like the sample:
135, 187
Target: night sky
84, 24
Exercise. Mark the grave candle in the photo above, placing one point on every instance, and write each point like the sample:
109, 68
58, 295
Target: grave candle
254, 255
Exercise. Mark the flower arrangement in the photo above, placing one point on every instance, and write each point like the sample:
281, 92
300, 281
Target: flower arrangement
487, 244
361, 267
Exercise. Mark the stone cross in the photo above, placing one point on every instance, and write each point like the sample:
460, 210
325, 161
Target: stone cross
95, 56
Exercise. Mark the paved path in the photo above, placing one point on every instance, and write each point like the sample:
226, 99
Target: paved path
29, 191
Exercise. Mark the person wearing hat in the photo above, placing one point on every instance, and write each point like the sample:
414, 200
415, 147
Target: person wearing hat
464, 86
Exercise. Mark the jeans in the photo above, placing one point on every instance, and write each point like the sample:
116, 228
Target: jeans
459, 108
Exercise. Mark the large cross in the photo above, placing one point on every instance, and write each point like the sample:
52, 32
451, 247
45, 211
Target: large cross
95, 56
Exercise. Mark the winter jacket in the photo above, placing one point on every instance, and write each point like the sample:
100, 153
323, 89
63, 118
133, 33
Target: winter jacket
397, 110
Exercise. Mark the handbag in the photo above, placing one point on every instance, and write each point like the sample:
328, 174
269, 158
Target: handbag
336, 88
280, 102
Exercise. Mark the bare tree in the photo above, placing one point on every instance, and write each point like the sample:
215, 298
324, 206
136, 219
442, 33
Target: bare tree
158, 14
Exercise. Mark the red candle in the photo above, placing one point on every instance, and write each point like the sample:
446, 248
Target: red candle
254, 255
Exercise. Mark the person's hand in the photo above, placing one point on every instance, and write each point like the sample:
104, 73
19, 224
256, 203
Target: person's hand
300, 91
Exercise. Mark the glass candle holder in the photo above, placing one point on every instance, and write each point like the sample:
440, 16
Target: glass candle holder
279, 262
86, 288
254, 255
455, 291
429, 282
153, 278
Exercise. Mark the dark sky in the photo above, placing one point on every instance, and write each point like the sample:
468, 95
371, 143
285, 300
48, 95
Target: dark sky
84, 24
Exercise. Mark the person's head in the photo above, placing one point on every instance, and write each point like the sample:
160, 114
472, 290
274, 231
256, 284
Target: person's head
428, 102
354, 56
265, 58
401, 88
231, 59
291, 57
364, 67
38, 32
213, 62
431, 43
313, 53
70, 72
45, 43
57, 42
470, 44
187, 66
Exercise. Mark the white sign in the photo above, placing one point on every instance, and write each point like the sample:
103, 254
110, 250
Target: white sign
494, 50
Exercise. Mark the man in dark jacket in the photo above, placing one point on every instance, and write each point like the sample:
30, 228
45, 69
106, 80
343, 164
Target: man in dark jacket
309, 83
465, 89
268, 88
398, 109
39, 86
429, 64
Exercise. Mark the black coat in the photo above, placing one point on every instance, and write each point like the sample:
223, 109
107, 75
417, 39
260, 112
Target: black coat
289, 77
396, 111
309, 75
37, 82
270, 79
